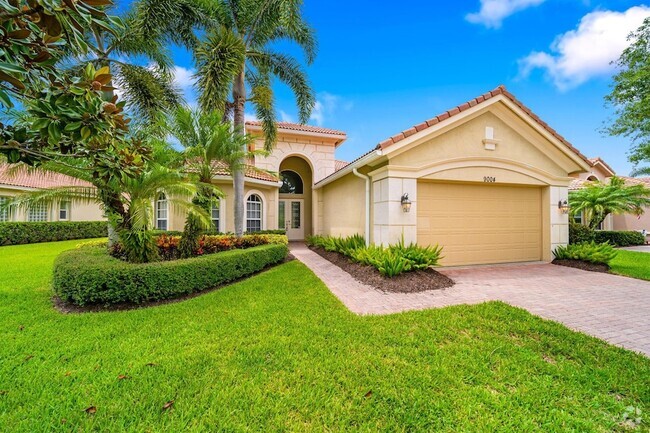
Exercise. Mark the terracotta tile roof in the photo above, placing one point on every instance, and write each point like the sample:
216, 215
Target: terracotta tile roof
223, 170
23, 177
301, 128
338, 165
598, 159
501, 90
629, 181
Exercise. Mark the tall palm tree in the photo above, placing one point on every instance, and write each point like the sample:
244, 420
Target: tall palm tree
600, 199
238, 55
138, 195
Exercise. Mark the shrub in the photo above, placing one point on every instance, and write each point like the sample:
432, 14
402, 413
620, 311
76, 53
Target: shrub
14, 233
189, 244
168, 246
90, 276
587, 251
619, 238
390, 261
579, 233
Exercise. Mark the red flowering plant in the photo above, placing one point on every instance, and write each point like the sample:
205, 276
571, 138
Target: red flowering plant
168, 246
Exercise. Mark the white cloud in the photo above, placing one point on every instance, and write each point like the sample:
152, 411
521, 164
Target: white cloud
184, 78
250, 117
286, 117
326, 105
493, 12
587, 52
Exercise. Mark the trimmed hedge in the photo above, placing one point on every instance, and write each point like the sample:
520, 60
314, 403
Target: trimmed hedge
14, 233
88, 275
619, 238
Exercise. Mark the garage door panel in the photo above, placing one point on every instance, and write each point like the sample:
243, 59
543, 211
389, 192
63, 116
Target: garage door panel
480, 224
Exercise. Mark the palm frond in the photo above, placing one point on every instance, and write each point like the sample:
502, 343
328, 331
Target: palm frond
52, 196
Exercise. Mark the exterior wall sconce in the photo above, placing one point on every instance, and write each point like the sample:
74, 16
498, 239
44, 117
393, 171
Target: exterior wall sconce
563, 205
406, 203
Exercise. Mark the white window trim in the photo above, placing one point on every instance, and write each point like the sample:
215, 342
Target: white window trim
264, 210
156, 208
67, 210
222, 215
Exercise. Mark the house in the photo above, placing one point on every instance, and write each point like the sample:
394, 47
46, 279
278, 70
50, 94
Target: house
14, 182
487, 180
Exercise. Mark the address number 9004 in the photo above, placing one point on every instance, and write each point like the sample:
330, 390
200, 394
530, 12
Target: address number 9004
489, 179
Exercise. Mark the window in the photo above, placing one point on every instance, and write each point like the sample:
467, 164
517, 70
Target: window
216, 215
577, 218
291, 183
64, 211
37, 213
254, 213
4, 212
161, 212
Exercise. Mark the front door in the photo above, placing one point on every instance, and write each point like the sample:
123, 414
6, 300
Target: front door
290, 217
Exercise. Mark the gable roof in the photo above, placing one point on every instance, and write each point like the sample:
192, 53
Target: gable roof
25, 178
294, 128
577, 184
501, 90
599, 160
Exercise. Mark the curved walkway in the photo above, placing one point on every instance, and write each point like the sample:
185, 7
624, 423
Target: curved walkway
610, 307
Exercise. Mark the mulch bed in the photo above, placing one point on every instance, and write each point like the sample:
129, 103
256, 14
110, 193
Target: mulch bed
66, 308
584, 265
408, 282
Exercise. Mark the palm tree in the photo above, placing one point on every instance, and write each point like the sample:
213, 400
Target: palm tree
236, 62
600, 199
138, 195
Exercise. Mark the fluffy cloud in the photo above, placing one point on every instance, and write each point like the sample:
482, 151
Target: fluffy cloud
326, 105
587, 52
493, 12
286, 117
184, 78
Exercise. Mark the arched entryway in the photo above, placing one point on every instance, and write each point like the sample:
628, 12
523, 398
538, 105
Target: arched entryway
295, 201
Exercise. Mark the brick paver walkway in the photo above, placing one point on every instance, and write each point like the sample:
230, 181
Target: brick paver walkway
610, 307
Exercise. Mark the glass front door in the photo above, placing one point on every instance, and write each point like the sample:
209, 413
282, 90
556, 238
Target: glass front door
290, 217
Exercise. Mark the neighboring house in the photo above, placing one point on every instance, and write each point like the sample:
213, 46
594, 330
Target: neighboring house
15, 182
486, 180
601, 171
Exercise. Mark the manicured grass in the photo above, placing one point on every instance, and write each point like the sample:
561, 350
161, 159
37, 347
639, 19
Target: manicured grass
278, 352
632, 264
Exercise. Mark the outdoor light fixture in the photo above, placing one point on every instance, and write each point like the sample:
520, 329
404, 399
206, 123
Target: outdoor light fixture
406, 203
563, 205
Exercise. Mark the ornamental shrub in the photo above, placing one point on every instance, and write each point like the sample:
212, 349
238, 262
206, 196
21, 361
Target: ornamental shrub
587, 251
619, 238
579, 233
14, 233
90, 276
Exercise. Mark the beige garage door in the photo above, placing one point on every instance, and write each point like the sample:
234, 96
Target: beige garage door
480, 224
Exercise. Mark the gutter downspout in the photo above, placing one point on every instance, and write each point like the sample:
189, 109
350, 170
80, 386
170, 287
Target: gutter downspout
367, 179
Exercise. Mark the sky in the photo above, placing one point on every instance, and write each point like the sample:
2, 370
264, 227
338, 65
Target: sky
385, 66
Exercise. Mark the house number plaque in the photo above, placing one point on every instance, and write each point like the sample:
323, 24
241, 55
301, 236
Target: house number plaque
489, 179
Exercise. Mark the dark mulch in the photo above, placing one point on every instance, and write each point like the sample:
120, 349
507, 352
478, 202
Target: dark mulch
584, 265
66, 307
408, 282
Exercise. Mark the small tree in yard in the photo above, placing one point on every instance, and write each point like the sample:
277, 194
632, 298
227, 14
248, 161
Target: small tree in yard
630, 97
600, 199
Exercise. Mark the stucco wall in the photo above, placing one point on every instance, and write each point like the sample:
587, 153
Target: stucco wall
632, 222
302, 167
341, 207
78, 211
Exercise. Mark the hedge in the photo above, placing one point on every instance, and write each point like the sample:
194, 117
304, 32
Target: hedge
88, 275
619, 238
14, 233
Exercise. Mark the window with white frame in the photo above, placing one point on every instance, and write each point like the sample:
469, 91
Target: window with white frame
215, 215
37, 213
577, 218
254, 213
64, 211
4, 212
162, 212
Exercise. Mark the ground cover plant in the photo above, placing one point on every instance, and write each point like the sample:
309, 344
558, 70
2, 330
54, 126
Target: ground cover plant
278, 352
588, 256
169, 245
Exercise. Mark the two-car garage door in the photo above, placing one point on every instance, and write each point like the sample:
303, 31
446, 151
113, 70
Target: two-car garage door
480, 224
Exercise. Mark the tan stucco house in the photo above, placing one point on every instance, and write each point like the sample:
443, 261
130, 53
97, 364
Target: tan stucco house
486, 180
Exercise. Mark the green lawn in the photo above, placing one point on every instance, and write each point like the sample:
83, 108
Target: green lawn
632, 264
278, 352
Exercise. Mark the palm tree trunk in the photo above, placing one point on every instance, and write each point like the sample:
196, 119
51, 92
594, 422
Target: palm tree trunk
239, 97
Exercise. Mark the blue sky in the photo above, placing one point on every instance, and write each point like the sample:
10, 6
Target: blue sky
385, 66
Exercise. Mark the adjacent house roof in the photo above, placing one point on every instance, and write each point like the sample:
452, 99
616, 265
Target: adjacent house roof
599, 160
501, 90
581, 183
340, 136
22, 176
338, 164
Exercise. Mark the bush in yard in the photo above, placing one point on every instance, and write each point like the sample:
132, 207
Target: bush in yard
389, 261
168, 246
619, 238
90, 276
14, 233
579, 233
587, 251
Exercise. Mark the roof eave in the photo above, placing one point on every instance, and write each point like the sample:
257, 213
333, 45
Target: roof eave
364, 160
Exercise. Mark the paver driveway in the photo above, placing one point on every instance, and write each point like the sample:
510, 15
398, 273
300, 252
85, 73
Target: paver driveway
610, 307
